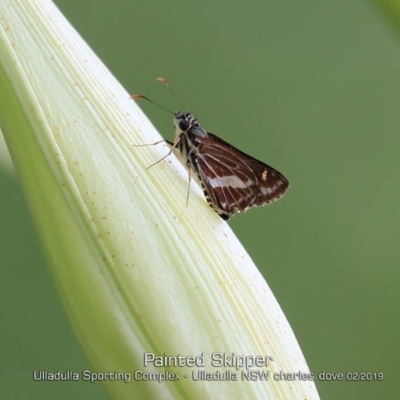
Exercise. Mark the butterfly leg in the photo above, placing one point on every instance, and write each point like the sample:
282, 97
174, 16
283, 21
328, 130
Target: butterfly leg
152, 165
172, 144
152, 144
189, 167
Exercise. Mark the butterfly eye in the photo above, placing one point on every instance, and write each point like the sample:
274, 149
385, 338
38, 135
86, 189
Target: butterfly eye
183, 124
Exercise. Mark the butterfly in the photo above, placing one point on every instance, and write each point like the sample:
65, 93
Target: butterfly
232, 181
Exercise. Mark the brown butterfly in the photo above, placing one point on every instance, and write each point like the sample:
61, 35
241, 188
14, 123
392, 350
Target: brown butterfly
232, 181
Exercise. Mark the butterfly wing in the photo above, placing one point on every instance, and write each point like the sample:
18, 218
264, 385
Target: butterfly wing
232, 180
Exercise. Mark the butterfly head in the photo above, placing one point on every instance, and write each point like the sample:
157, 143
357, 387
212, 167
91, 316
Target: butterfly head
183, 122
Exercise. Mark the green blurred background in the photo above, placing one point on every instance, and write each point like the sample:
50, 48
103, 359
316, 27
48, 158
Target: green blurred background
310, 87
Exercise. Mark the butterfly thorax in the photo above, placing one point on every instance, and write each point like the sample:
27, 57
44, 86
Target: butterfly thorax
187, 129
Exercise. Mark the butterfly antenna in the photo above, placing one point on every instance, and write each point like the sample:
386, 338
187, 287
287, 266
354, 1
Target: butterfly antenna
140, 96
162, 80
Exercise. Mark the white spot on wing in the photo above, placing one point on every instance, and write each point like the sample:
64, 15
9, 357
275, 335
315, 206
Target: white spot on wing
229, 181
271, 189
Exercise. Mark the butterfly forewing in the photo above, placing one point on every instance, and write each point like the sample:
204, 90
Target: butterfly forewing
234, 181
